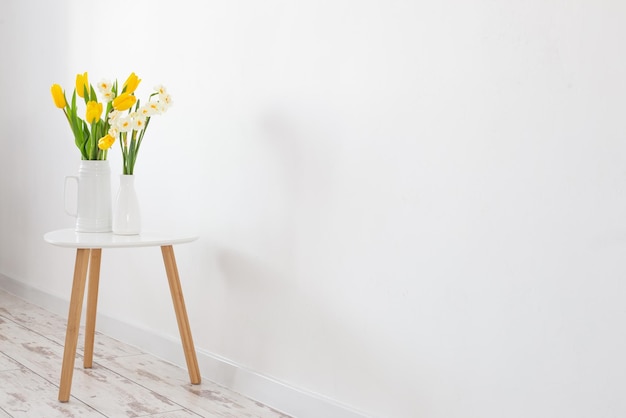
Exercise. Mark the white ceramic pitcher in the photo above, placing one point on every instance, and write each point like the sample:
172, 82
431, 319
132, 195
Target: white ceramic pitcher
93, 208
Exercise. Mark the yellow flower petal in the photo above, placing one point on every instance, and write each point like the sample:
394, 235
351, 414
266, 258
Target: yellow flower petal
106, 142
58, 96
94, 111
131, 83
82, 82
124, 101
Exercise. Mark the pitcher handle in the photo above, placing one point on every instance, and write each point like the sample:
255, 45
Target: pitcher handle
75, 214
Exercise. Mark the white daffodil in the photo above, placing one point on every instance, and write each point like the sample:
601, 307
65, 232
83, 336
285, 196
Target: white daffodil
162, 106
124, 124
107, 96
105, 87
138, 121
165, 98
146, 111
160, 89
114, 115
155, 109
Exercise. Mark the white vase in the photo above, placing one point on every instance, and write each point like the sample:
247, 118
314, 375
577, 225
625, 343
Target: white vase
93, 200
126, 215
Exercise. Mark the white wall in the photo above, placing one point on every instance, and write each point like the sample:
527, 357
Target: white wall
414, 208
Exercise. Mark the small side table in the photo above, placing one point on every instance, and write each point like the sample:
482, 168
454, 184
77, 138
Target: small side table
88, 256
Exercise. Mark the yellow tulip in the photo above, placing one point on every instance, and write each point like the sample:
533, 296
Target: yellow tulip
58, 96
106, 142
82, 82
124, 101
131, 83
94, 110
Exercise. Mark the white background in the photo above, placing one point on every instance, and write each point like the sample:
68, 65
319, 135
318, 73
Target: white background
414, 208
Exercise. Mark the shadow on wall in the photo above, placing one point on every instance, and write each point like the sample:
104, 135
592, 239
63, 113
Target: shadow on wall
344, 357
305, 140
329, 348
29, 149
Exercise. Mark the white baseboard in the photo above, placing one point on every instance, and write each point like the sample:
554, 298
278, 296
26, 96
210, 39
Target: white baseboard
281, 396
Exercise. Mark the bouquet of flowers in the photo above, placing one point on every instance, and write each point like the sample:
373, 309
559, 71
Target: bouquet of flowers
124, 117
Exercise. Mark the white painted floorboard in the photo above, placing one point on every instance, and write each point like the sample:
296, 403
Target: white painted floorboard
124, 382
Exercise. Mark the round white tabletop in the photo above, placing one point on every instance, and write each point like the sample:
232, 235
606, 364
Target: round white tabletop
69, 238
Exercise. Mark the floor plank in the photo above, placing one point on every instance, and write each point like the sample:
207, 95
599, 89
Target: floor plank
31, 350
25, 394
124, 382
33, 317
115, 395
207, 398
53, 327
6, 363
183, 413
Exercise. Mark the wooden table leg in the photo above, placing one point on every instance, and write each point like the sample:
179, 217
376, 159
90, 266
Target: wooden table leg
92, 305
73, 322
181, 313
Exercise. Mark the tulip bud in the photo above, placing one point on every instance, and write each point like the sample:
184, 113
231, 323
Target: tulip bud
131, 83
124, 101
82, 84
106, 142
94, 111
58, 96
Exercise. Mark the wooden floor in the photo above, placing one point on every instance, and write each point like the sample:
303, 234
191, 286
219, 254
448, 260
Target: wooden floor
124, 382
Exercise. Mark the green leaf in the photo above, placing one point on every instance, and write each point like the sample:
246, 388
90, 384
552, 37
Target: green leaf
73, 108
